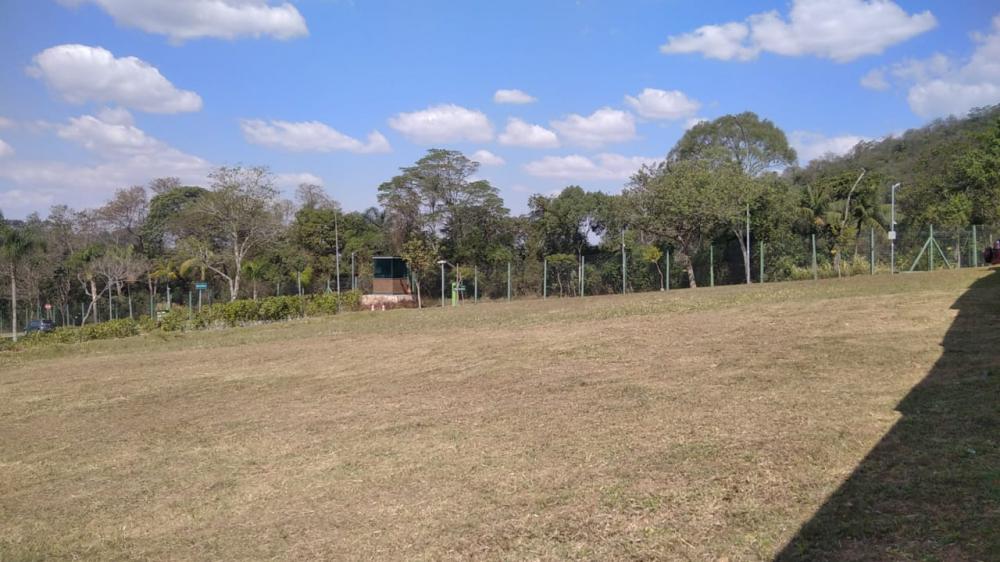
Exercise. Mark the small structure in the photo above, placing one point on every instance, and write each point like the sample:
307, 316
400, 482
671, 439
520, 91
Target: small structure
390, 284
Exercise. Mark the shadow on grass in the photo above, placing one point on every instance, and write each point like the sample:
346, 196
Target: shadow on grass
930, 489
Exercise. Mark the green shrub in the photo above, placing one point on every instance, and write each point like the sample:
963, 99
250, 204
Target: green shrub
273, 309
177, 320
109, 330
241, 312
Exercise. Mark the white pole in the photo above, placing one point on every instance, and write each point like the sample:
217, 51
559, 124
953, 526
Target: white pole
746, 262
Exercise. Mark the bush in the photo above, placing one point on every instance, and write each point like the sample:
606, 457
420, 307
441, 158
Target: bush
176, 320
279, 308
109, 330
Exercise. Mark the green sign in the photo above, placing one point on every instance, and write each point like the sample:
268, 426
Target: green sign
201, 286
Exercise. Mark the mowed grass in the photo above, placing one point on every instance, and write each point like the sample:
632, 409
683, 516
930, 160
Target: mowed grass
690, 425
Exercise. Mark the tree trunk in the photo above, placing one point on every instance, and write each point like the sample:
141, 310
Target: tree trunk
690, 273
416, 280
13, 305
740, 237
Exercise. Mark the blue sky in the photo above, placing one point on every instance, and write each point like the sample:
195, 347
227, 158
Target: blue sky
97, 95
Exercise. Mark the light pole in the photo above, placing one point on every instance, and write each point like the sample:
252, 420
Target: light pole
892, 230
442, 264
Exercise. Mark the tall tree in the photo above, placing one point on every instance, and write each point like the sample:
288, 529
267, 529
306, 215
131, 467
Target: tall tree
236, 217
124, 217
684, 202
756, 146
436, 199
16, 245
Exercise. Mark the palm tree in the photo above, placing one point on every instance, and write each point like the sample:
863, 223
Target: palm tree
15, 246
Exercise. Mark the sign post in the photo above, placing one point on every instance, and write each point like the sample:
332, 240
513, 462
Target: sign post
200, 286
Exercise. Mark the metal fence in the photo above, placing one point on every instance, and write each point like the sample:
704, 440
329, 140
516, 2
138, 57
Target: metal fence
595, 272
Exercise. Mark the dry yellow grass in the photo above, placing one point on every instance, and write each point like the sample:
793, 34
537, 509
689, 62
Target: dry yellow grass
691, 425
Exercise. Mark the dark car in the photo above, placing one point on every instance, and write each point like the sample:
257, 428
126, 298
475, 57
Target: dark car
42, 326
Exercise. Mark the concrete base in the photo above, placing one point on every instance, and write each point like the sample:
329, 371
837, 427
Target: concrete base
388, 301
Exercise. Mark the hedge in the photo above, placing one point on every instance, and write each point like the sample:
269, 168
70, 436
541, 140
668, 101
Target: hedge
235, 313
270, 309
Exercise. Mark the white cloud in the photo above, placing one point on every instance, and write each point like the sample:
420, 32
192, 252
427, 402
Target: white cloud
841, 30
520, 133
487, 158
875, 80
513, 96
288, 182
309, 136
5, 149
443, 123
663, 104
6, 123
601, 127
181, 20
80, 74
602, 167
125, 155
941, 86
810, 146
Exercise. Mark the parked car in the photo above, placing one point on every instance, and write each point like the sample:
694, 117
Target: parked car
42, 326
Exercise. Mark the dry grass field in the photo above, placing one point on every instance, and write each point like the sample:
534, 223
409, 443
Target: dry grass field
853, 419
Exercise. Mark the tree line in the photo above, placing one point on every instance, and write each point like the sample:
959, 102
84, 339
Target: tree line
727, 184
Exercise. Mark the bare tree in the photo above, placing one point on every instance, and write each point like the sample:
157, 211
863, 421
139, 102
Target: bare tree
124, 216
238, 216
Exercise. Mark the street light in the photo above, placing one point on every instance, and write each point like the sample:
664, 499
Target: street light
892, 230
443, 263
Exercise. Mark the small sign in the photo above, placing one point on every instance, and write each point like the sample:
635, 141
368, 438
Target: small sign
892, 235
48, 306
201, 286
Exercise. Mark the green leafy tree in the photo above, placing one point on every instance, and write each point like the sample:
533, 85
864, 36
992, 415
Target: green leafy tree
420, 257
683, 203
755, 146
651, 254
16, 246
435, 199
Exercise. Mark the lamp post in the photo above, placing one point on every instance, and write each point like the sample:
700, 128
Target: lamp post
442, 264
892, 230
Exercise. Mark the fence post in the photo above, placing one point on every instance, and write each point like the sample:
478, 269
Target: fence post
975, 249
545, 277
583, 274
508, 281
624, 279
871, 259
815, 270
667, 268
475, 284
711, 266
930, 255
761, 256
